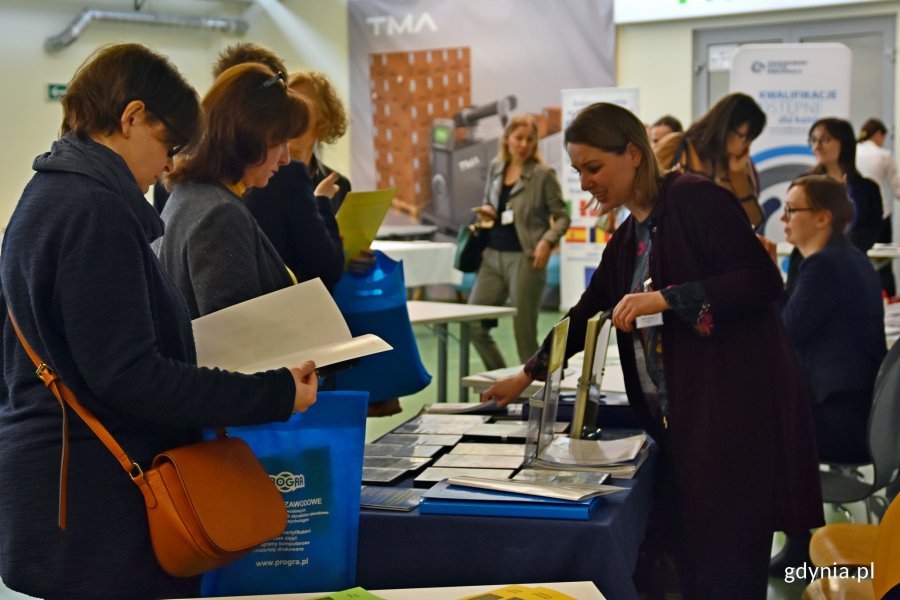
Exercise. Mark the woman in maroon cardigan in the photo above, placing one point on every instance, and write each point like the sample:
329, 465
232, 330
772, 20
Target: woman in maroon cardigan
717, 384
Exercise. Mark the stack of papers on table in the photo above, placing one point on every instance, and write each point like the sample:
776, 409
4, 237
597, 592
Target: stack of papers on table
450, 499
480, 461
442, 424
621, 458
432, 475
425, 439
401, 450
389, 498
507, 429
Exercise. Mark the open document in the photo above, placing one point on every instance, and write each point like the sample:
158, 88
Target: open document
359, 218
281, 329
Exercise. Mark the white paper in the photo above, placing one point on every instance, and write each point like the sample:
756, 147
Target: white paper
280, 329
566, 451
570, 492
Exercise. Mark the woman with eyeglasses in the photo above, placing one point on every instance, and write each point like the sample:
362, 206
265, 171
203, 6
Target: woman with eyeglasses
213, 248
80, 279
712, 376
834, 146
835, 318
717, 146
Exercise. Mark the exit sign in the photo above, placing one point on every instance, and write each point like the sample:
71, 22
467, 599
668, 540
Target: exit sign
55, 91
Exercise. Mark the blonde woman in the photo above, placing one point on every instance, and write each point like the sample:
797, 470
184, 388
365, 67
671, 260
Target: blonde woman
524, 200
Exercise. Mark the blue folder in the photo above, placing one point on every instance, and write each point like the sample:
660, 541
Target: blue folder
446, 499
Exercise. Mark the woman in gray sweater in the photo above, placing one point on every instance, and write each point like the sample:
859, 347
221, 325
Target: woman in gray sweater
212, 248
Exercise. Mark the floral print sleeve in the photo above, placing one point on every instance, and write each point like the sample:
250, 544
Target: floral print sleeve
689, 302
537, 365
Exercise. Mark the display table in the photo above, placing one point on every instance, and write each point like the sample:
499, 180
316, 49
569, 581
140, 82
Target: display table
441, 314
424, 263
399, 549
583, 590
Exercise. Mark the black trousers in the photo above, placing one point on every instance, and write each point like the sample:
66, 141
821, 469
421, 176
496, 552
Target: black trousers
841, 425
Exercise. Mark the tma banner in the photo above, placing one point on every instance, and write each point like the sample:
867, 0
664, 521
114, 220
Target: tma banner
433, 81
795, 84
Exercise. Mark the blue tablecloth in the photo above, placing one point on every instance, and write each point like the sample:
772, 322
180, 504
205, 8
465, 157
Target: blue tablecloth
402, 550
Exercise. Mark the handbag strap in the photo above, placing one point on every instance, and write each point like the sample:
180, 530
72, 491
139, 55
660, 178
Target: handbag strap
64, 396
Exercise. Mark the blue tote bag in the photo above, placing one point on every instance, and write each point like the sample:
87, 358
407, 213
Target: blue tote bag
315, 459
375, 302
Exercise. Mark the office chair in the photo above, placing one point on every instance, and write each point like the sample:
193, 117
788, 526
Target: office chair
841, 484
869, 546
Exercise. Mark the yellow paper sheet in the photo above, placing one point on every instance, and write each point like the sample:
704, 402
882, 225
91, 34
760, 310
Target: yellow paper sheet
359, 218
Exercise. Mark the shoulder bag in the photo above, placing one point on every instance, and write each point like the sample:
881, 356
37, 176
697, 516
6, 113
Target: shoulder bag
207, 503
470, 244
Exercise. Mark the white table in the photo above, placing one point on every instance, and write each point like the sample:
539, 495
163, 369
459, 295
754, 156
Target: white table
583, 590
405, 232
883, 255
441, 314
424, 263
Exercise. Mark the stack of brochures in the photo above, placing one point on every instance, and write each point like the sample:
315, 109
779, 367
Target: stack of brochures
495, 498
620, 458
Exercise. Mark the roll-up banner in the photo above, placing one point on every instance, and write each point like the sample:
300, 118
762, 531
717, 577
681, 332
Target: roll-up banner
586, 237
795, 84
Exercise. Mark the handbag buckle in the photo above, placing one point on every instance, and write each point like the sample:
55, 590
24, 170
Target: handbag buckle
136, 471
46, 374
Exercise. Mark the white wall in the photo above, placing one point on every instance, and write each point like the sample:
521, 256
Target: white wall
657, 58
305, 34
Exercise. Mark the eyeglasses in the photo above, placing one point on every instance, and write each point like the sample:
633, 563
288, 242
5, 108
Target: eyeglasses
279, 76
825, 139
175, 149
789, 212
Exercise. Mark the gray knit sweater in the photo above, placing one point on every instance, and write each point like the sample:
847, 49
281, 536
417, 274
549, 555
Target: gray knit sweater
214, 250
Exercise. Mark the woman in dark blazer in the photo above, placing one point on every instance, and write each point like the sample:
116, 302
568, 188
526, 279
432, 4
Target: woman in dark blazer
213, 248
717, 385
523, 199
296, 210
93, 301
834, 315
834, 146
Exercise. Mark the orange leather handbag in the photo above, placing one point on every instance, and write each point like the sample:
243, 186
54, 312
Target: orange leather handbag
207, 503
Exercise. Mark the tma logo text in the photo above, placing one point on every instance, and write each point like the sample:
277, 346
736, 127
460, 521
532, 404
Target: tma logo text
288, 482
389, 25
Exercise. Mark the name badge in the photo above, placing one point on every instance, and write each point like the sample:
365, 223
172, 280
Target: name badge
506, 217
649, 320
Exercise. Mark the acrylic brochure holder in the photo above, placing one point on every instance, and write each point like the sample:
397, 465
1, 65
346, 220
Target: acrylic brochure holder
542, 406
587, 398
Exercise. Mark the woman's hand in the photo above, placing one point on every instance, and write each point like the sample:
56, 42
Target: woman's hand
328, 187
506, 390
306, 384
541, 255
632, 306
740, 163
363, 262
487, 216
